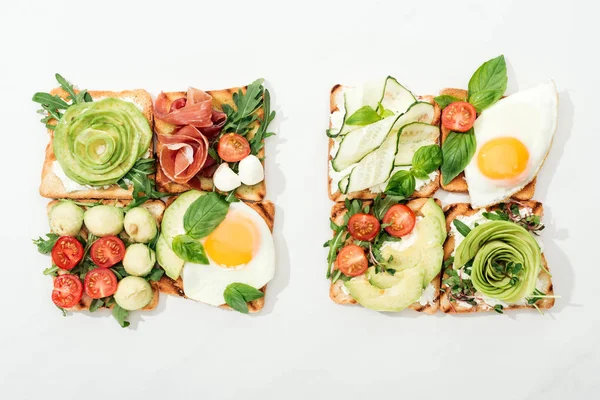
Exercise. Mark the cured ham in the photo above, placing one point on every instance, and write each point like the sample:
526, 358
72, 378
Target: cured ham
196, 110
183, 154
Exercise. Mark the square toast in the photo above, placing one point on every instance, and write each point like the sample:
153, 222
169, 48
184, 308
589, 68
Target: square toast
336, 292
53, 187
454, 210
426, 191
459, 184
164, 184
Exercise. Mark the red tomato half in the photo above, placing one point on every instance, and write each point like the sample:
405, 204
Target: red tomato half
352, 260
67, 252
401, 220
67, 290
107, 251
99, 283
233, 147
459, 116
363, 227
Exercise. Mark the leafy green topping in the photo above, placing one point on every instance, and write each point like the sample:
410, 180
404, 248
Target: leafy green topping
120, 315
241, 119
363, 116
204, 215
143, 186
425, 160
45, 245
499, 308
511, 212
96, 304
445, 100
488, 83
458, 149
461, 227
237, 295
257, 141
189, 249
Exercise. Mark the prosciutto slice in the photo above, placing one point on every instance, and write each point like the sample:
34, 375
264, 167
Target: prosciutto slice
183, 154
197, 110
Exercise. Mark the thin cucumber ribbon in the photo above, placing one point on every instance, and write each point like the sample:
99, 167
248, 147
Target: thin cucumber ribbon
500, 242
97, 143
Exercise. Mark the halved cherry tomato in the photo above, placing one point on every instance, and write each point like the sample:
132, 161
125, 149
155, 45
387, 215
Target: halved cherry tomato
401, 220
67, 252
67, 290
177, 104
363, 227
351, 260
99, 283
459, 116
233, 147
107, 251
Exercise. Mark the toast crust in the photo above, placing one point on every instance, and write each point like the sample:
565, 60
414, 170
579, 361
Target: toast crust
454, 210
220, 97
156, 208
266, 210
426, 191
336, 292
51, 185
459, 184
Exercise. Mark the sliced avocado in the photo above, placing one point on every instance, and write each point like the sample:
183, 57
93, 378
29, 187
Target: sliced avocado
431, 210
432, 257
396, 298
405, 259
382, 280
167, 259
172, 222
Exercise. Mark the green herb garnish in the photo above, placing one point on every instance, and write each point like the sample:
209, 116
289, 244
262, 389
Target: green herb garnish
45, 245
237, 295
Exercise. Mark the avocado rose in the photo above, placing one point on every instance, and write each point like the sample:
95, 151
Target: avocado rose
494, 245
97, 143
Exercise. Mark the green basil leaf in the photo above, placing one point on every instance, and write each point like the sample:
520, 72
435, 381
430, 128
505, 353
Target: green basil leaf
419, 174
461, 227
155, 274
45, 245
121, 315
204, 215
445, 100
363, 116
189, 249
237, 295
386, 113
96, 304
427, 158
248, 292
488, 83
401, 184
457, 150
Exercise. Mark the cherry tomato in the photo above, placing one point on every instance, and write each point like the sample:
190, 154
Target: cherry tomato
401, 220
67, 290
233, 147
459, 116
177, 104
363, 227
351, 260
107, 251
67, 252
99, 283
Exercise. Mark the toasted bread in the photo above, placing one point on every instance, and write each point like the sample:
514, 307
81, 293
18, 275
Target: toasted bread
459, 184
266, 210
426, 191
164, 184
337, 294
52, 186
454, 210
156, 208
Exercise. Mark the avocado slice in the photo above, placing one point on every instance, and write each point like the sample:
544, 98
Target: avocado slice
167, 259
431, 211
382, 280
432, 257
172, 222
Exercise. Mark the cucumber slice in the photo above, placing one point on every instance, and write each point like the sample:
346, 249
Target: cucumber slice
360, 142
376, 167
420, 111
343, 184
412, 137
396, 97
133, 293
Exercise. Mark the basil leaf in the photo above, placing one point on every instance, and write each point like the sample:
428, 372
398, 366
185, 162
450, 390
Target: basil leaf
155, 274
248, 292
457, 150
96, 304
427, 158
363, 116
204, 215
189, 249
445, 100
402, 184
120, 315
488, 83
386, 113
45, 245
419, 174
237, 295
461, 227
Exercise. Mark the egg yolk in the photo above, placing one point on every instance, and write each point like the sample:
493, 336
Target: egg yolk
503, 158
233, 242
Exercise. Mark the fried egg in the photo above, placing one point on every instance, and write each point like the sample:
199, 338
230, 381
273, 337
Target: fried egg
240, 250
513, 139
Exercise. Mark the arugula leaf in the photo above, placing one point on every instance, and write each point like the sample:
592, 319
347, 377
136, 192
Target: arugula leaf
82, 97
363, 116
461, 227
64, 312
334, 245
189, 249
427, 158
119, 271
237, 295
445, 100
155, 274
496, 216
402, 183
382, 205
143, 186
241, 119
96, 304
45, 245
457, 150
257, 141
499, 308
120, 315
488, 83
52, 271
204, 215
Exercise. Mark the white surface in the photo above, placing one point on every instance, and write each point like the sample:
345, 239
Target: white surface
302, 345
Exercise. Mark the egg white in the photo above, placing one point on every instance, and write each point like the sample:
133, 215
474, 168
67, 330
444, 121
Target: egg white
530, 116
206, 283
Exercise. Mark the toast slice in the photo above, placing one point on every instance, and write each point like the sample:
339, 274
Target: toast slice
426, 191
53, 187
266, 210
336, 290
544, 279
164, 184
156, 208
459, 184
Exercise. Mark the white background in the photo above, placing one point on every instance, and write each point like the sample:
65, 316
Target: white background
301, 344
